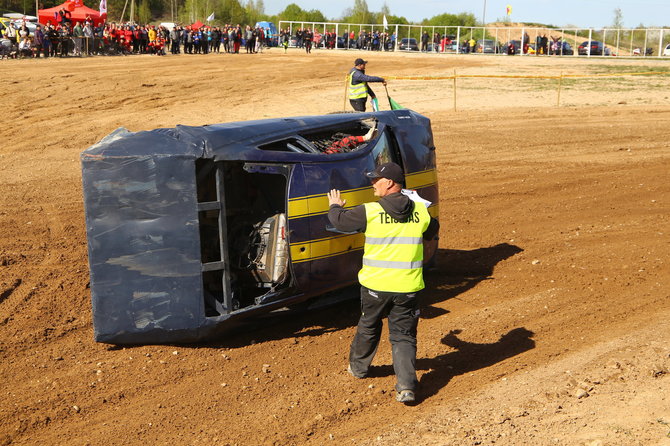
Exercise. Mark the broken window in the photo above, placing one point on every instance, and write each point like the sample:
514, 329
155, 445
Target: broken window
331, 140
243, 233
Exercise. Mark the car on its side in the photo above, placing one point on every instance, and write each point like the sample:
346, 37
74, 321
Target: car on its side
408, 44
193, 229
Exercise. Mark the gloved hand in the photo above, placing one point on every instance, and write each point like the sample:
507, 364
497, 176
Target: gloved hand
368, 135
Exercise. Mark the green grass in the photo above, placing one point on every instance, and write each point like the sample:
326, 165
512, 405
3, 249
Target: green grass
602, 69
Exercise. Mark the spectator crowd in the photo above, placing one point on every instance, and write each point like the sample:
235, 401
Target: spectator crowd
364, 40
63, 38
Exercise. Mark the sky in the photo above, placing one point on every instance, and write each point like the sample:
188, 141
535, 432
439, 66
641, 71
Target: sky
582, 13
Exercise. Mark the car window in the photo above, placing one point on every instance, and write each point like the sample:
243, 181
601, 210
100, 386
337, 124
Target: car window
382, 152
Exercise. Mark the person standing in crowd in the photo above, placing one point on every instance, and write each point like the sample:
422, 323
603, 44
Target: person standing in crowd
308, 37
174, 40
424, 41
88, 38
436, 42
38, 41
358, 87
391, 275
298, 38
206, 39
216, 40
247, 39
54, 40
284, 37
188, 41
225, 38
237, 36
64, 39
260, 40
151, 35
11, 34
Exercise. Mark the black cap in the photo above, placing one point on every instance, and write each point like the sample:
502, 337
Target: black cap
388, 170
359, 61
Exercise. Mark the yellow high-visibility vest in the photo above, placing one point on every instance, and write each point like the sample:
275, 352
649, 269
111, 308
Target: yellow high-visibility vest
357, 91
393, 252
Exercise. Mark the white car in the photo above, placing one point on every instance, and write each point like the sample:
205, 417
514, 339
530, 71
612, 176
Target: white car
666, 50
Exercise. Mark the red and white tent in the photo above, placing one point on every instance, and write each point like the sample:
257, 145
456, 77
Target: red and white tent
78, 12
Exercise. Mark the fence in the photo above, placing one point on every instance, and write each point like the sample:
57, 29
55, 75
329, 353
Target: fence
641, 42
558, 78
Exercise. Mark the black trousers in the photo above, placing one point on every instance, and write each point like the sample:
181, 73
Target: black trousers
358, 104
403, 317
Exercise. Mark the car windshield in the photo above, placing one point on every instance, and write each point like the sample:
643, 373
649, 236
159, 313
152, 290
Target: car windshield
382, 150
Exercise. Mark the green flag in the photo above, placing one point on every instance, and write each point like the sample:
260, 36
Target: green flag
394, 104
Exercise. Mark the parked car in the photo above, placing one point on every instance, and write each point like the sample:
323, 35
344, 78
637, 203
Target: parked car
596, 49
515, 44
563, 50
408, 44
487, 46
192, 229
666, 50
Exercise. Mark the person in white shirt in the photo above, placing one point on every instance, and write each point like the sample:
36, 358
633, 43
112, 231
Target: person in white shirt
26, 48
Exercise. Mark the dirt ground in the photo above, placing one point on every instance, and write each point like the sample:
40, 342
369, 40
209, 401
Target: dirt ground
546, 323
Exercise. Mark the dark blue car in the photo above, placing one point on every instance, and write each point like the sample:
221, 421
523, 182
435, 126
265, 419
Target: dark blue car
192, 228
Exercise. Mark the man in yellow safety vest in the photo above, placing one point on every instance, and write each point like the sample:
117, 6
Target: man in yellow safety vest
358, 88
392, 272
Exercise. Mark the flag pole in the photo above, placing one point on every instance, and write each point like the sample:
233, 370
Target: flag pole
388, 97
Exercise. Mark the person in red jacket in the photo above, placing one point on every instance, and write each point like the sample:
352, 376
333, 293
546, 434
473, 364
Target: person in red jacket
349, 143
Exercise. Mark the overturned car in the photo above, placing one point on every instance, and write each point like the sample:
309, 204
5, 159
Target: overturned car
192, 228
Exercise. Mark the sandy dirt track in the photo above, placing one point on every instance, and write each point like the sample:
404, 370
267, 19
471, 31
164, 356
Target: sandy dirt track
546, 322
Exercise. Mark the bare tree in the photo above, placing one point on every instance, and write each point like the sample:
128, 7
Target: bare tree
618, 19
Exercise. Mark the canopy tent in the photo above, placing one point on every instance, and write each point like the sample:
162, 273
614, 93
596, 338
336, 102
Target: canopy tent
78, 12
197, 25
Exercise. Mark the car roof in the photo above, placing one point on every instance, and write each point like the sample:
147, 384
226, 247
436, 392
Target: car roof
234, 140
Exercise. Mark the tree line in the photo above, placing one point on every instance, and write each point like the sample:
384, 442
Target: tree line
236, 11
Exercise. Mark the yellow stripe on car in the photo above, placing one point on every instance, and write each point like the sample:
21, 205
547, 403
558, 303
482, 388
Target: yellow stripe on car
310, 205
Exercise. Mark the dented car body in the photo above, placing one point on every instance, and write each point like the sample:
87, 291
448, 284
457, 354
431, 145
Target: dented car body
192, 228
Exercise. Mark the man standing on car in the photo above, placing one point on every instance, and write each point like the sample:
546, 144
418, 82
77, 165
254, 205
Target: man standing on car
358, 88
392, 272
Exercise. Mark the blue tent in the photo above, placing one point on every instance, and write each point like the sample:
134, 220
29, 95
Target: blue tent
268, 25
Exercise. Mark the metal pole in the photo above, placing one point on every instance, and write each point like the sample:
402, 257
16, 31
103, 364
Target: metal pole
660, 43
337, 33
560, 82
644, 50
458, 40
575, 53
346, 88
395, 44
590, 34
484, 16
454, 89
123, 11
